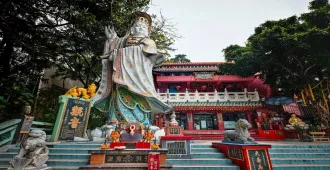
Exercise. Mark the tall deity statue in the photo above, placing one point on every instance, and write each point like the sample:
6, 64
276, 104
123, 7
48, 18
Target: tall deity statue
127, 90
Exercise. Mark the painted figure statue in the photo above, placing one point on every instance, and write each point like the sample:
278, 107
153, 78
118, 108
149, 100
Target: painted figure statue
294, 120
127, 89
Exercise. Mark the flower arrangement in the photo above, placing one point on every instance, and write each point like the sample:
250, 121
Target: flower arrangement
154, 146
115, 135
104, 146
148, 135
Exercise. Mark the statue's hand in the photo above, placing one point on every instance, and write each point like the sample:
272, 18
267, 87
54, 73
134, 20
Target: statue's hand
110, 33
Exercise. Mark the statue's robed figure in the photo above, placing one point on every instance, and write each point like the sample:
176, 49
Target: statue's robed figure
127, 90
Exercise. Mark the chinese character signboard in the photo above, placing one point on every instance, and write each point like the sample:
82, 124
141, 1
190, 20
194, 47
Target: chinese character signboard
126, 159
204, 76
72, 119
153, 161
235, 153
176, 147
258, 160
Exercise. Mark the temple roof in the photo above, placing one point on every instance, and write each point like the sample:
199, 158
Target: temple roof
178, 69
192, 63
189, 67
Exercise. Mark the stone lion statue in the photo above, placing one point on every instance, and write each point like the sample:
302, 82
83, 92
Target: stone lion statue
240, 134
33, 153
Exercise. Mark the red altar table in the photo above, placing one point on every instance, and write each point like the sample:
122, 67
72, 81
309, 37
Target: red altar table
272, 134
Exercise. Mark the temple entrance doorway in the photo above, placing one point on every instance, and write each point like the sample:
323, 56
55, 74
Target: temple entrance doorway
205, 121
230, 118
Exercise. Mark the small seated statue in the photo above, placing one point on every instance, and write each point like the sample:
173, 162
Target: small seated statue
294, 120
33, 153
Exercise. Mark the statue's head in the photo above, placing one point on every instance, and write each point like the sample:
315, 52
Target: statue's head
293, 115
243, 123
141, 25
37, 133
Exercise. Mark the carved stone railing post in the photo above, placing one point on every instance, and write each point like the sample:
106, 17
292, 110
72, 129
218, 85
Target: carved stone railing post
209, 96
226, 94
256, 94
246, 94
167, 93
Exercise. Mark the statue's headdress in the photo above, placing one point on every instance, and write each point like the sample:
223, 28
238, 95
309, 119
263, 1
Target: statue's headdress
143, 17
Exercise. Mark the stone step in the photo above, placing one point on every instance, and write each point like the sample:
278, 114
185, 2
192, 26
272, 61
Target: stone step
54, 162
67, 145
208, 155
4, 167
59, 150
52, 155
200, 161
301, 146
299, 155
299, 150
200, 146
279, 161
205, 167
302, 167
198, 150
65, 167
53, 168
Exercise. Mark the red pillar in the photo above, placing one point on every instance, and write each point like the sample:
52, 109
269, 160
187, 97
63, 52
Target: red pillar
190, 122
221, 125
248, 115
157, 116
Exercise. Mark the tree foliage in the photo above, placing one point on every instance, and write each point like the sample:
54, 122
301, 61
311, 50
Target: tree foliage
290, 52
179, 58
65, 34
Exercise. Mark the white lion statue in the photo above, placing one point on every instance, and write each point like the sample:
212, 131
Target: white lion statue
240, 134
33, 151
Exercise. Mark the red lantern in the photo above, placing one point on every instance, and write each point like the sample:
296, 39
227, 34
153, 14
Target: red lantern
178, 87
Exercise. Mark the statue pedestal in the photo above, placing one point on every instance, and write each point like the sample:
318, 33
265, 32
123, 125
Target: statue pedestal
177, 144
127, 159
246, 156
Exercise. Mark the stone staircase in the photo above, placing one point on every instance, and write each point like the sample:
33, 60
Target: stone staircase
300, 156
72, 156
204, 157
284, 156
218, 135
61, 156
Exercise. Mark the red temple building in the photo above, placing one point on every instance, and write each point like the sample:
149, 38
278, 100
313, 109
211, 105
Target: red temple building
206, 103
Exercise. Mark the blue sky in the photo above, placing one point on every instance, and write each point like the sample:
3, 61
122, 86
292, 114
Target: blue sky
209, 26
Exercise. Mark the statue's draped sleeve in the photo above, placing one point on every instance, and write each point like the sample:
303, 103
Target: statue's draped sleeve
150, 49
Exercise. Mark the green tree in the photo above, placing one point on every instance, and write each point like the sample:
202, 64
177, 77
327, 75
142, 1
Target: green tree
39, 34
179, 58
289, 52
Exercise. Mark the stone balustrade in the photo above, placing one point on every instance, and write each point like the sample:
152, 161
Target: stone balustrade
209, 96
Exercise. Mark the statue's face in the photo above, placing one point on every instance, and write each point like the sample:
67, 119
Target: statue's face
140, 29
